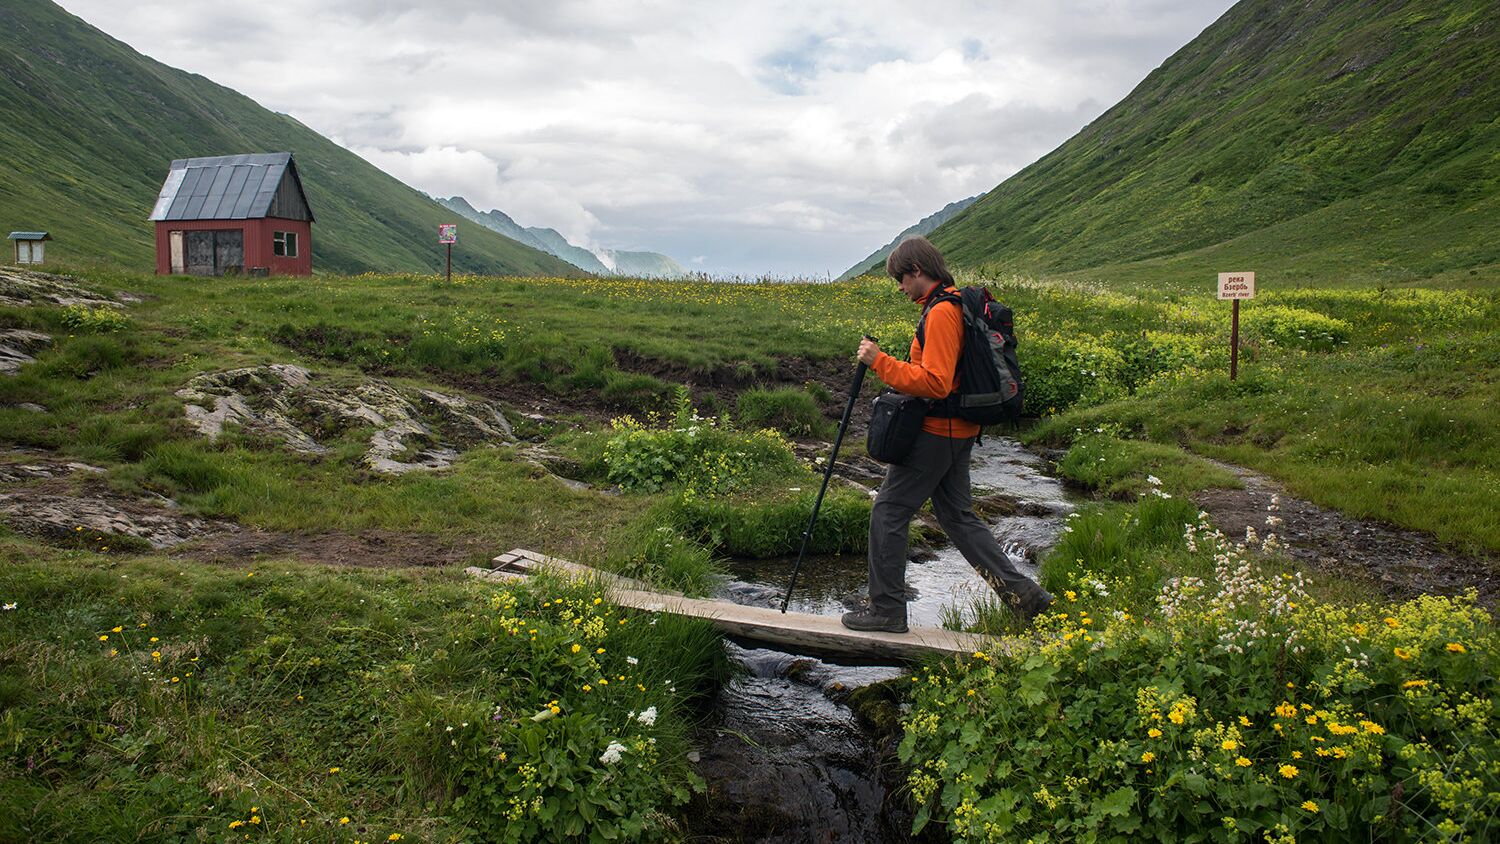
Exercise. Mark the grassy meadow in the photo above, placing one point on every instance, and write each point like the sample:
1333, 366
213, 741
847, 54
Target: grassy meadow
688, 397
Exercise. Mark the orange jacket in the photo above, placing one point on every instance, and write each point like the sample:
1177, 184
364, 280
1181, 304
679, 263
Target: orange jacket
932, 373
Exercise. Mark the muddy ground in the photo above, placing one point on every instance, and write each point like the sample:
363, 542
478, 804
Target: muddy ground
1400, 563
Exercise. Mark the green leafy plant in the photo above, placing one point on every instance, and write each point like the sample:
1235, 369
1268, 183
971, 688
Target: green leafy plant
1232, 707
100, 320
700, 456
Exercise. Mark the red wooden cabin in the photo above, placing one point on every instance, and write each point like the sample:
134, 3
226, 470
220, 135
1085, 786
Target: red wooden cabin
233, 214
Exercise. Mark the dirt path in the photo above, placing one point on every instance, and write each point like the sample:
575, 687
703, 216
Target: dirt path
1401, 563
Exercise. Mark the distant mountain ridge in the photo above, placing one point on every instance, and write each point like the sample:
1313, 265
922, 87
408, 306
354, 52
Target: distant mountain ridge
632, 264
89, 127
1319, 139
875, 261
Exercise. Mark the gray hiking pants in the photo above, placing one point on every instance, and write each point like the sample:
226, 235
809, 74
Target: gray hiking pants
938, 468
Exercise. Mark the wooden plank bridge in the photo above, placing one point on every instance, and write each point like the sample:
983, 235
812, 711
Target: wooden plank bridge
818, 635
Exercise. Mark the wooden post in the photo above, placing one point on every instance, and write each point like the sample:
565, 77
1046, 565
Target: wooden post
1234, 342
449, 275
1235, 286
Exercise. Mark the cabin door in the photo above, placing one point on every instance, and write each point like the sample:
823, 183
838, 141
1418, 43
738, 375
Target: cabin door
215, 252
200, 253
179, 257
229, 252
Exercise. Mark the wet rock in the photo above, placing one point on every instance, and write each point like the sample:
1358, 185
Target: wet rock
16, 346
25, 288
292, 404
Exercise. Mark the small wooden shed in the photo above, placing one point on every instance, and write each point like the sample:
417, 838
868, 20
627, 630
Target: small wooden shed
30, 246
233, 214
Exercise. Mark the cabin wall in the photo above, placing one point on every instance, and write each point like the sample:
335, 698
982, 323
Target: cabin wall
258, 252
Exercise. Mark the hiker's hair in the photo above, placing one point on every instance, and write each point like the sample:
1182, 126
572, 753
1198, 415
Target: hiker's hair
918, 253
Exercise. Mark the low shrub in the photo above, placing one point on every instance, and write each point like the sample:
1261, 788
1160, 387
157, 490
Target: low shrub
772, 526
1230, 708
1063, 371
1295, 328
701, 457
787, 409
100, 320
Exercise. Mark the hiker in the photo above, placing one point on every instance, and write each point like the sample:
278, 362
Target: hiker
938, 465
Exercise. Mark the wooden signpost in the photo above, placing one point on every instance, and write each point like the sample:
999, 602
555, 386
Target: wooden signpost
1236, 286
448, 233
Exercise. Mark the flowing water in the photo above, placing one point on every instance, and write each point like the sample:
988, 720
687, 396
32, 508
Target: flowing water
785, 759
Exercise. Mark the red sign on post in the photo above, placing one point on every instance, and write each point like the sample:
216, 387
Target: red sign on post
448, 233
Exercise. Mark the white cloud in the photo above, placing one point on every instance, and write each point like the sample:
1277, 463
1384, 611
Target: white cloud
769, 137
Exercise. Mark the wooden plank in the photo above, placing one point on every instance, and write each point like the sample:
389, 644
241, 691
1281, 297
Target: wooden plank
531, 561
797, 632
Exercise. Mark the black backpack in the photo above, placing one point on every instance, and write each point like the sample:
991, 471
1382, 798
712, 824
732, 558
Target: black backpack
990, 388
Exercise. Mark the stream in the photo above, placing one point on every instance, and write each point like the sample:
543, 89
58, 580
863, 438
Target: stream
784, 758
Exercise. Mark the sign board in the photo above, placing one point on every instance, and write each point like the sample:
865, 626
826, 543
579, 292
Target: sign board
448, 233
1236, 285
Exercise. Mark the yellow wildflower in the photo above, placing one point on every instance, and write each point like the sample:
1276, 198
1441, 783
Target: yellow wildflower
1403, 653
1311, 807
599, 651
1392, 623
333, 770
1154, 733
118, 630
1296, 754
255, 819
236, 824
1230, 744
577, 648
1244, 722
104, 638
1147, 756
343, 820
1242, 762
1285, 709
1372, 727
1071, 595
1455, 647
1287, 771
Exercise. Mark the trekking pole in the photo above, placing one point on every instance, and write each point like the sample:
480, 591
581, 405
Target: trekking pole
859, 380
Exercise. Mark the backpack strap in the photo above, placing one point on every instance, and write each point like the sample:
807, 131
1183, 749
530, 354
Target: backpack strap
944, 294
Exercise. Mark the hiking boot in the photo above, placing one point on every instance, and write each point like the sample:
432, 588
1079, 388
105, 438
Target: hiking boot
870, 620
1039, 604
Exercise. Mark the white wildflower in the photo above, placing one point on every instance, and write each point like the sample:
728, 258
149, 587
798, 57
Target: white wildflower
612, 753
648, 717
10, 606
1153, 480
632, 660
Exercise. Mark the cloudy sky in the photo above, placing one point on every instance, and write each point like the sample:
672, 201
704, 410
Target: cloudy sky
789, 138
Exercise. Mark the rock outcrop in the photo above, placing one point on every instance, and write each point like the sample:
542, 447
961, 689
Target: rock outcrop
16, 346
24, 288
289, 403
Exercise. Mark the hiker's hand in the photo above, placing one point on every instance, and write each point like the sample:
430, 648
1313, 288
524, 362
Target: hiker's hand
868, 351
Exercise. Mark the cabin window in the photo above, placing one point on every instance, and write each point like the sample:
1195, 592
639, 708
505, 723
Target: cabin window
284, 244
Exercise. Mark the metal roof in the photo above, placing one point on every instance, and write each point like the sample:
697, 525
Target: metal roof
29, 236
226, 187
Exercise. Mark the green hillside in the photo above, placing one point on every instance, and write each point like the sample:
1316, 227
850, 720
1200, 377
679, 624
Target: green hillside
1324, 141
88, 128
